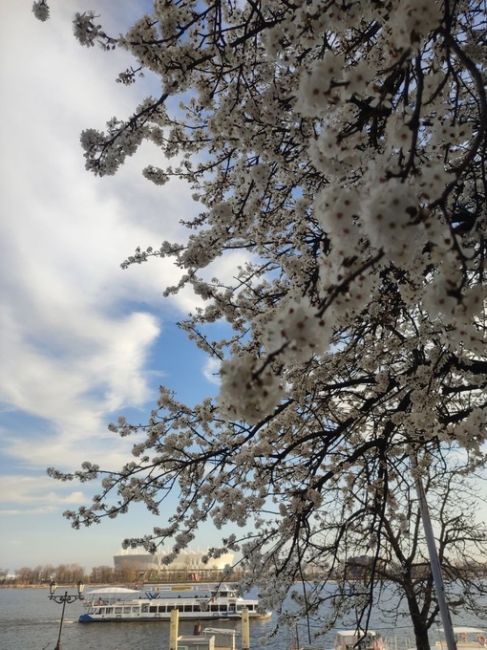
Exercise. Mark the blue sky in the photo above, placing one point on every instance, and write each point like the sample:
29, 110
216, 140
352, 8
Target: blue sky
81, 340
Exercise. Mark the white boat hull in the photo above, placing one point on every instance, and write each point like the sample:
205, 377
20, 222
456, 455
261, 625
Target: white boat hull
183, 616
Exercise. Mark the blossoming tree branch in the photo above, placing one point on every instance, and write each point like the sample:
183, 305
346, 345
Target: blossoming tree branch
342, 146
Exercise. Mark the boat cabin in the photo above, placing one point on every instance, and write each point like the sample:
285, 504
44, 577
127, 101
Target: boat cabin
358, 640
154, 608
110, 595
223, 592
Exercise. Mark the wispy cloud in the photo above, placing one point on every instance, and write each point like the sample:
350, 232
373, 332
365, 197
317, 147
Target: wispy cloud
38, 491
31, 512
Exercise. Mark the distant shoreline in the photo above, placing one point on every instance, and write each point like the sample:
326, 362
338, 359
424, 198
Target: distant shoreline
24, 586
46, 586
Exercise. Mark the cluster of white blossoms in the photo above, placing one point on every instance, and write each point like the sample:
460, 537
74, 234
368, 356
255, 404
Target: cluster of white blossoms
297, 331
320, 85
398, 133
41, 10
389, 220
410, 23
155, 174
432, 181
102, 157
85, 30
337, 210
249, 390
473, 429
340, 148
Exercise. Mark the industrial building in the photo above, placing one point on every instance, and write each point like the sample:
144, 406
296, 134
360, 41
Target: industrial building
139, 564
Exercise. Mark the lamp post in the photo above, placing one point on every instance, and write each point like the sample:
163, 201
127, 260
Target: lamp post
433, 555
65, 598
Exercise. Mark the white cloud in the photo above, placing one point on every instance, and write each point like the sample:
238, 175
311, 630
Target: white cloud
73, 349
211, 370
77, 332
30, 490
12, 512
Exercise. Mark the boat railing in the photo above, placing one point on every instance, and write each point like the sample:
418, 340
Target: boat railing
191, 642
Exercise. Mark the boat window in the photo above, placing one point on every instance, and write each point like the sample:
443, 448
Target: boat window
98, 610
223, 608
162, 609
126, 610
118, 610
188, 608
145, 608
214, 608
108, 610
180, 608
170, 607
136, 609
153, 609
197, 607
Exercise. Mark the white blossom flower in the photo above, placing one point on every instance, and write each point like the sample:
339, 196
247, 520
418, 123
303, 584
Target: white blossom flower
336, 210
297, 330
317, 86
388, 219
358, 77
248, 392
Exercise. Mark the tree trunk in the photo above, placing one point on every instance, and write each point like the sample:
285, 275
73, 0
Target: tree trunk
421, 636
420, 628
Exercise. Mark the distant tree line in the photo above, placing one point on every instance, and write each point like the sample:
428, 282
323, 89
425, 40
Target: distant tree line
73, 573
62, 574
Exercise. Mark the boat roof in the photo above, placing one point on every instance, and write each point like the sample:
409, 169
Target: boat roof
188, 586
111, 590
204, 587
467, 630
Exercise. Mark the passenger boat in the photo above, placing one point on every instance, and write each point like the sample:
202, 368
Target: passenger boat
467, 638
194, 602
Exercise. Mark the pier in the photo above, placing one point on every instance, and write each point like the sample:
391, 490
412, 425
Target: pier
209, 638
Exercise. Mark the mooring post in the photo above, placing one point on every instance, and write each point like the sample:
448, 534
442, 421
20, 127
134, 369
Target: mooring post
174, 630
245, 629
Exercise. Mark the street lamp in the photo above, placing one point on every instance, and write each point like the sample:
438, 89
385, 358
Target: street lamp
65, 598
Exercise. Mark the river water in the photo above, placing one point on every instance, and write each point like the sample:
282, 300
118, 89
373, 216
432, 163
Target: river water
30, 621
